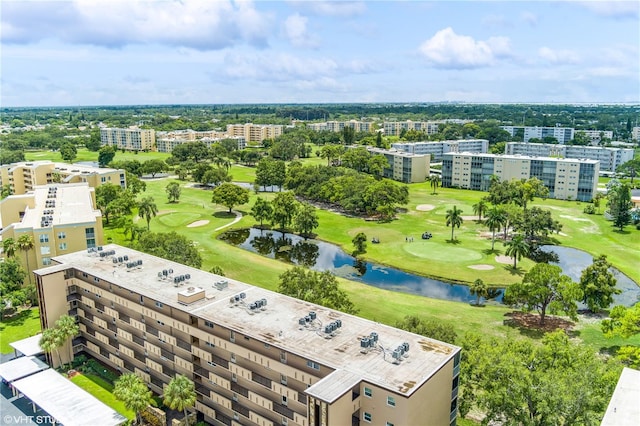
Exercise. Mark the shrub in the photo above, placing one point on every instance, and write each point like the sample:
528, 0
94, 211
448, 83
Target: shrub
589, 209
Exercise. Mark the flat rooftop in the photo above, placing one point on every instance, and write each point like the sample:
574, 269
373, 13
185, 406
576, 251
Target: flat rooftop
19, 368
62, 167
278, 324
66, 402
521, 157
29, 346
623, 409
69, 204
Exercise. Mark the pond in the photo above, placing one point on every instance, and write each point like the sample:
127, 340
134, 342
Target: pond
323, 256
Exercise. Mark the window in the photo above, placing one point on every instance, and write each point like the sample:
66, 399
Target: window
283, 379
208, 324
314, 365
46, 261
284, 400
232, 336
366, 417
389, 424
160, 322
45, 250
62, 235
62, 246
211, 345
233, 358
159, 305
44, 238
391, 401
211, 363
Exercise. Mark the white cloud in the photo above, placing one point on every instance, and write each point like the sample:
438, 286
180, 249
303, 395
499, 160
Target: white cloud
614, 9
295, 29
204, 25
529, 17
342, 9
558, 57
278, 67
446, 49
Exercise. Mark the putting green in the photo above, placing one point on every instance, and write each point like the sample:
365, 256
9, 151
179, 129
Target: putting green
440, 252
178, 218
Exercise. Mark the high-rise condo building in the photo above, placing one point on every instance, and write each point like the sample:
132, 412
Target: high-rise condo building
436, 148
131, 139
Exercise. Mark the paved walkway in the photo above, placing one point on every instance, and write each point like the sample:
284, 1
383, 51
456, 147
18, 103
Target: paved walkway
234, 221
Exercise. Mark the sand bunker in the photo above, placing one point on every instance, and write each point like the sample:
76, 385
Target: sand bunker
507, 260
481, 267
425, 207
198, 223
469, 217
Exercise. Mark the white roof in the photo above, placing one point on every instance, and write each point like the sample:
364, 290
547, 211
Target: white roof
21, 367
64, 401
29, 346
624, 407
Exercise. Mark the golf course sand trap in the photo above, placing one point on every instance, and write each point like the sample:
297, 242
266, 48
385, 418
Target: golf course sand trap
425, 207
198, 223
469, 217
507, 260
481, 267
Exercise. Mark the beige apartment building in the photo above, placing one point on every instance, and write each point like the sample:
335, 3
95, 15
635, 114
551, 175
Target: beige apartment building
130, 139
255, 132
338, 126
60, 219
25, 176
257, 357
404, 166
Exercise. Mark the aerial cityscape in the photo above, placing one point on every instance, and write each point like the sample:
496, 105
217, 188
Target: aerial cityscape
318, 213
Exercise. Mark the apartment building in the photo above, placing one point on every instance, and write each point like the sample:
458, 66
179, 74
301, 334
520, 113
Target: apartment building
254, 132
566, 178
25, 176
168, 144
596, 136
257, 357
130, 139
609, 158
60, 219
395, 128
635, 134
403, 166
338, 126
436, 148
562, 134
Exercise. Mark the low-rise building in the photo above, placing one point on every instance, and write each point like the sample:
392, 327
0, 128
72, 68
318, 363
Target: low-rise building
561, 134
566, 179
403, 166
255, 356
130, 139
255, 132
338, 126
25, 176
395, 128
59, 218
436, 148
610, 158
168, 144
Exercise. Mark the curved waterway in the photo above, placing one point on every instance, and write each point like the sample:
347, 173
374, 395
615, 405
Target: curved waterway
323, 256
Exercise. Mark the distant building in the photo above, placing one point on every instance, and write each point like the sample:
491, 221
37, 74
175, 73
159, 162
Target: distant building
60, 218
166, 144
25, 176
610, 158
635, 134
403, 166
256, 357
596, 136
566, 179
436, 148
131, 139
338, 126
562, 134
254, 132
395, 128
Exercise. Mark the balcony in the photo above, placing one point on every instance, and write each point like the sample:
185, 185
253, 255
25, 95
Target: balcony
240, 409
183, 345
124, 318
203, 390
151, 330
261, 379
302, 398
223, 419
284, 410
201, 372
220, 361
73, 296
157, 382
138, 340
139, 357
240, 390
79, 341
166, 355
112, 327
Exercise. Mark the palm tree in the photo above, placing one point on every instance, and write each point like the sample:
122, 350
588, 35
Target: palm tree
480, 208
180, 394
434, 179
454, 218
50, 341
9, 247
67, 328
25, 243
147, 208
133, 392
517, 248
495, 218
478, 289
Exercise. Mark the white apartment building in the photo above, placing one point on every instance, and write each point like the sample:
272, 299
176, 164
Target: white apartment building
338, 126
562, 134
395, 128
167, 144
609, 158
436, 148
403, 166
131, 139
635, 134
597, 135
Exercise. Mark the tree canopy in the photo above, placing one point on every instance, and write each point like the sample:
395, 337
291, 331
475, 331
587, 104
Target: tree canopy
315, 287
230, 195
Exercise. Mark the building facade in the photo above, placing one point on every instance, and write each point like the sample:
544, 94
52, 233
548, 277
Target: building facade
562, 134
395, 128
59, 218
403, 166
167, 144
609, 158
257, 357
635, 134
255, 132
25, 176
436, 148
597, 136
131, 139
566, 179
338, 126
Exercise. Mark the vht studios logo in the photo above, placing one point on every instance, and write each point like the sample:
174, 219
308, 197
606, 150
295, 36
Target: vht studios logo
18, 420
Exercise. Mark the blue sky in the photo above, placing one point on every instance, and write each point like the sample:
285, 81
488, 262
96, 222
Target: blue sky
92, 52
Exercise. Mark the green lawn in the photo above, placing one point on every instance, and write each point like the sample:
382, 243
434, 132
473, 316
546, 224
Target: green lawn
101, 389
22, 325
86, 155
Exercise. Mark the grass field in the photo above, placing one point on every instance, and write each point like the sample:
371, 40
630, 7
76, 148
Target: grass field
24, 324
101, 389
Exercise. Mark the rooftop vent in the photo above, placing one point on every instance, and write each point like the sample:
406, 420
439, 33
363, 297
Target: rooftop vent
190, 295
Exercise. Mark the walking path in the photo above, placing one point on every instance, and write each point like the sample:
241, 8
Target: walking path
234, 221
